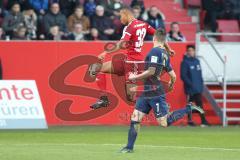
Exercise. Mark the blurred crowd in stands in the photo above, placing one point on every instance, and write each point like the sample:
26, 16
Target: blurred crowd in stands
63, 19
220, 9
92, 19
73, 19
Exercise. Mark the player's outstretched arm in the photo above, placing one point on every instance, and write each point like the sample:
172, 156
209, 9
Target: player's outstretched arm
149, 72
117, 48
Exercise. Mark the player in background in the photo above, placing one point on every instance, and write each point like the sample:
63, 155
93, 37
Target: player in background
156, 62
134, 34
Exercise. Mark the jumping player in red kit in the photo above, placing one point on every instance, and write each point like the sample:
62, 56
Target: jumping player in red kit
134, 34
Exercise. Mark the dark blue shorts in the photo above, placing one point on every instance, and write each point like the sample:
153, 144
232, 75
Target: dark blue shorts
158, 104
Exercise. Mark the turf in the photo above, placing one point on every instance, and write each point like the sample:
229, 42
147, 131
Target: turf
103, 143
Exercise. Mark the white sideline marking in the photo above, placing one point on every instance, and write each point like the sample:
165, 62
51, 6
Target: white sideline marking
145, 146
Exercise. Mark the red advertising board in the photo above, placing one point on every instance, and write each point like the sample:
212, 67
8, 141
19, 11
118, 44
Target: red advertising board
67, 105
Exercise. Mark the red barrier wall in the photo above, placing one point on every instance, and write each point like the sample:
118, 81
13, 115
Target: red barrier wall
38, 60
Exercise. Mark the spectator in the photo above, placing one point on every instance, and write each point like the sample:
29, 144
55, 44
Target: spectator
220, 9
213, 7
2, 34
78, 17
54, 18
67, 6
227, 10
55, 34
191, 76
93, 36
30, 19
3, 9
103, 3
155, 18
40, 6
139, 3
175, 34
20, 33
77, 33
103, 24
13, 20
89, 7
23, 3
237, 9
137, 12
113, 9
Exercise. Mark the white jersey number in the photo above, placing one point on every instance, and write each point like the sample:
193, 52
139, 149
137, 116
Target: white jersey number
141, 35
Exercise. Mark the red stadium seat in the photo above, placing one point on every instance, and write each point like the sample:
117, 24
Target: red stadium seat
194, 3
228, 26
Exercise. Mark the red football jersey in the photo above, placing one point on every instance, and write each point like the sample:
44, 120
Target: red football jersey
135, 33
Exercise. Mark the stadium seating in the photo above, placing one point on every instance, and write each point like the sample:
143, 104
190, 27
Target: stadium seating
228, 26
174, 12
192, 3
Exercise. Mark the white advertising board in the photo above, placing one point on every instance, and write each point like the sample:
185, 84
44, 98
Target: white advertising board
20, 105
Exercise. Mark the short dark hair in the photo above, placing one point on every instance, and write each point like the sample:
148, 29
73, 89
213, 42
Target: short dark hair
173, 23
79, 7
15, 3
191, 46
136, 7
160, 35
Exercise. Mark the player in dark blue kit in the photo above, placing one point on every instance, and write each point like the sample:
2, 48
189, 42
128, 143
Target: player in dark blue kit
154, 96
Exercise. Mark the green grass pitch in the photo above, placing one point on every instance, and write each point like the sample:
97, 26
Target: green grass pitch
104, 142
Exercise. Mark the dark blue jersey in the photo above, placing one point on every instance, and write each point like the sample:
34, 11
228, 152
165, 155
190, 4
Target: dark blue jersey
159, 59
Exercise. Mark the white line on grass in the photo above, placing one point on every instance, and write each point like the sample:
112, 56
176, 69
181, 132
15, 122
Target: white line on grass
106, 144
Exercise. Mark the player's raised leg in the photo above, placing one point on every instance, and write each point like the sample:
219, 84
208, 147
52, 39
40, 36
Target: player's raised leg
99, 72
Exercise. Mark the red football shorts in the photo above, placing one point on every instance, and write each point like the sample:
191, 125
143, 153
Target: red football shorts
122, 65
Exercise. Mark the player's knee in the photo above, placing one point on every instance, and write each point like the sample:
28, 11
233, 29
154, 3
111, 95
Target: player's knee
136, 116
162, 121
94, 69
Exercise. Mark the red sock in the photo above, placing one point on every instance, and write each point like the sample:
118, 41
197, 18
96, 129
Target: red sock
101, 81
